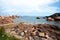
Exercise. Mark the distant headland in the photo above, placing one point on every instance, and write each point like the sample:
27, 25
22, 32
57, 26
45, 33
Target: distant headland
54, 17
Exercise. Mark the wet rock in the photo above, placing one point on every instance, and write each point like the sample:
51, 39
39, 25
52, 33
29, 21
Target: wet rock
37, 17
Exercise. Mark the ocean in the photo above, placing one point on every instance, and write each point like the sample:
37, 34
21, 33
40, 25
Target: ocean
32, 19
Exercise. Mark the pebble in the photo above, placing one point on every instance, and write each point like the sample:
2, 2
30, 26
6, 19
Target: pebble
22, 33
2, 35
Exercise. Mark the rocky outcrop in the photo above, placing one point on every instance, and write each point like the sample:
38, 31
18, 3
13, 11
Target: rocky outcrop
34, 31
7, 19
49, 19
13, 16
54, 17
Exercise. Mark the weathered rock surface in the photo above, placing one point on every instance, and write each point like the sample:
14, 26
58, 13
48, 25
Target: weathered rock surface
35, 32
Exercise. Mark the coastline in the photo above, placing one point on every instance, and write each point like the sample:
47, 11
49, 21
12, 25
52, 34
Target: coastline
25, 30
45, 28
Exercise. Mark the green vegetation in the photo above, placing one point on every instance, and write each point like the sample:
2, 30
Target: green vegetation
4, 36
58, 32
55, 30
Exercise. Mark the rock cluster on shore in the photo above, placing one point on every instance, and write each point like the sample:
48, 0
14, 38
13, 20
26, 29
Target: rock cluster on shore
34, 31
13, 16
7, 19
54, 17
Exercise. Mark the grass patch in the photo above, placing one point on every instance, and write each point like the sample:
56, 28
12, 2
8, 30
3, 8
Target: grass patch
4, 36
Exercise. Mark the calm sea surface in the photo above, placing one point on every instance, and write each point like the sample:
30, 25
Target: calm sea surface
31, 19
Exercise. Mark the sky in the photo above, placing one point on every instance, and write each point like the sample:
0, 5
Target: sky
29, 7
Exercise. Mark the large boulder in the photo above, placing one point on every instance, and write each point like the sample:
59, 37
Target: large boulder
50, 19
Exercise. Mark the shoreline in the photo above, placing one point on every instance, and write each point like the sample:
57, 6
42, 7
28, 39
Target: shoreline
42, 29
26, 23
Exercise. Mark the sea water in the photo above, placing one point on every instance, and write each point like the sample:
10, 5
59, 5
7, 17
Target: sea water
32, 19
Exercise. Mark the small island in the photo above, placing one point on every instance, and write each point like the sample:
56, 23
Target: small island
37, 17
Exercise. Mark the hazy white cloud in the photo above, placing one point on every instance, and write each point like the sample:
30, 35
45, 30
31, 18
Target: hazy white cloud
16, 6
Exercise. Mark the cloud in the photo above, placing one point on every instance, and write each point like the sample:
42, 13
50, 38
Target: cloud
27, 6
